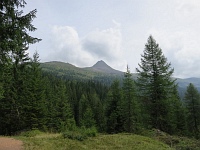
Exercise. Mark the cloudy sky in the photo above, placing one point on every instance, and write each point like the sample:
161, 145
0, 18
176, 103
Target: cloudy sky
82, 32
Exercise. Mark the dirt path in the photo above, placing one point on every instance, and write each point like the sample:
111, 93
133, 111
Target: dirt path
10, 144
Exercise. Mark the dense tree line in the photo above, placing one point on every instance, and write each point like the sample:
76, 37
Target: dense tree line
33, 99
15, 63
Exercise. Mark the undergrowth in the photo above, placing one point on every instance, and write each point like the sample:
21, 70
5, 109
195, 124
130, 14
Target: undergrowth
80, 134
87, 138
177, 142
31, 133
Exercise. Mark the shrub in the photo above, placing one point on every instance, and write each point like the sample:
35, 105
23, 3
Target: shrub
89, 132
74, 135
31, 133
80, 133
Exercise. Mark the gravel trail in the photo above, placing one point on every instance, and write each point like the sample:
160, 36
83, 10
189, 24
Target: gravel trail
10, 144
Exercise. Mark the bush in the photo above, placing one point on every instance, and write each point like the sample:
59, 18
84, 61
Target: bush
80, 134
177, 142
74, 135
89, 132
31, 133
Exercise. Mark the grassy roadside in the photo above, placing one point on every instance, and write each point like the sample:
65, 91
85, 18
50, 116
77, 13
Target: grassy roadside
46, 141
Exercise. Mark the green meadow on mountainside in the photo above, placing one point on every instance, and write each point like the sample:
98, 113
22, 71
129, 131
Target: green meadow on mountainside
151, 141
101, 142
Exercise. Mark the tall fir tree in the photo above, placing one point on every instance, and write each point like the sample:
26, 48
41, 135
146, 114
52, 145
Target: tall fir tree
35, 109
83, 105
130, 105
192, 102
14, 42
176, 114
60, 113
114, 109
155, 84
99, 116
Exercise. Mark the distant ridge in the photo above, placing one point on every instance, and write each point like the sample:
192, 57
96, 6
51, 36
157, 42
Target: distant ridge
59, 63
103, 72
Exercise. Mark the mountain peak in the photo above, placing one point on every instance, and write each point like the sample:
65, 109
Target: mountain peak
101, 64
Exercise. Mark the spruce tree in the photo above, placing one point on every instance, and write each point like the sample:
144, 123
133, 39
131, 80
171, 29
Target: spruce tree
114, 109
61, 112
155, 84
35, 109
49, 81
74, 100
130, 105
14, 42
83, 105
99, 116
176, 114
14, 31
88, 118
192, 102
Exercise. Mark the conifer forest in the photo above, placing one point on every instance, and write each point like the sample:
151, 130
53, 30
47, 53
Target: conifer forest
32, 98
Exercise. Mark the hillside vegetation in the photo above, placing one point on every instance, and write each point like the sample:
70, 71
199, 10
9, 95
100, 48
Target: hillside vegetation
101, 70
101, 142
82, 102
148, 140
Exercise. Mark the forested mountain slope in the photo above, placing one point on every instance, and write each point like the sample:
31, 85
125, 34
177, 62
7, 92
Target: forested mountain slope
102, 72
183, 83
99, 72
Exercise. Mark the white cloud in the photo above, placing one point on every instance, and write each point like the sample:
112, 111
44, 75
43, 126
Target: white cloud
181, 50
173, 23
105, 45
66, 46
179, 37
65, 36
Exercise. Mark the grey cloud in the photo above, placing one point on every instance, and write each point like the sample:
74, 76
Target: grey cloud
97, 49
181, 50
67, 46
105, 43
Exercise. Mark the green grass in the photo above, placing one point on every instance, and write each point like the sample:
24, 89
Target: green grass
47, 141
177, 142
148, 140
